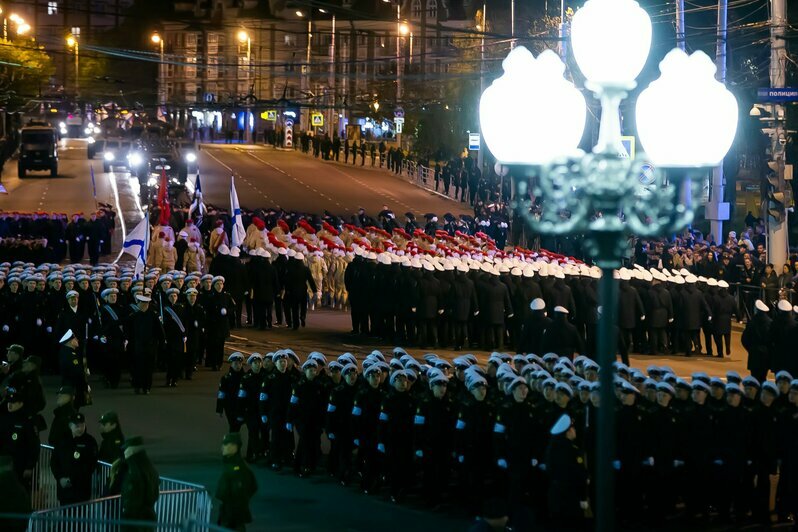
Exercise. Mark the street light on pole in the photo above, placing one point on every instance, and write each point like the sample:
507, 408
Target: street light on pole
158, 41
73, 42
601, 195
243, 37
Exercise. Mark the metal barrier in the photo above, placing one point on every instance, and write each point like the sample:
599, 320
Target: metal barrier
44, 486
178, 503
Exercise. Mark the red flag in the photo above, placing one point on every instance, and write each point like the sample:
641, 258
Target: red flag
163, 200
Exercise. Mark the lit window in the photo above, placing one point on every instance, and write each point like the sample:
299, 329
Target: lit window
52, 8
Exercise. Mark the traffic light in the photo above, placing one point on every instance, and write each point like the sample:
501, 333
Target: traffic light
779, 194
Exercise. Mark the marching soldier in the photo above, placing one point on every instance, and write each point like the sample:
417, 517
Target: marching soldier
218, 306
567, 475
395, 434
306, 413
145, 334
227, 395
194, 321
755, 340
434, 422
274, 400
248, 400
73, 369
338, 426
365, 419
474, 438
112, 337
175, 334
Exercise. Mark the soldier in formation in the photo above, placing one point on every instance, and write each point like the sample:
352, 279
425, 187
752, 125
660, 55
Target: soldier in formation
700, 449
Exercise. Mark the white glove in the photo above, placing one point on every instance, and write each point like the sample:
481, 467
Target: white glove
224, 312
510, 315
103, 340
49, 329
643, 317
534, 462
38, 322
583, 505
94, 337
440, 311
413, 309
124, 344
5, 328
678, 463
649, 461
670, 320
476, 313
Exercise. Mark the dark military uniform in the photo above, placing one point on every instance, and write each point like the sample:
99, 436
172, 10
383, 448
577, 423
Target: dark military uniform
227, 396
247, 408
306, 413
565, 466
74, 459
395, 437
235, 489
434, 435
139, 487
274, 400
339, 429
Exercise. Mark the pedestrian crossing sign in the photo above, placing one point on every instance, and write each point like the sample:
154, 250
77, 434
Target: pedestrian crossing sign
317, 120
271, 116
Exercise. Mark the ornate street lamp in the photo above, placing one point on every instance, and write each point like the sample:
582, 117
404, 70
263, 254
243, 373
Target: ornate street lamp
686, 121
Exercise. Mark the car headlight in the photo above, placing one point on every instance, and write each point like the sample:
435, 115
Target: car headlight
108, 156
62, 125
190, 157
90, 140
134, 159
63, 131
151, 182
96, 130
89, 130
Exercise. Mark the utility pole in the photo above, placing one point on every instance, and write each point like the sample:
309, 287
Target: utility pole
306, 74
717, 210
333, 116
680, 40
777, 227
484, 23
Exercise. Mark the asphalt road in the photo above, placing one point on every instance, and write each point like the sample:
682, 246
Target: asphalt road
266, 177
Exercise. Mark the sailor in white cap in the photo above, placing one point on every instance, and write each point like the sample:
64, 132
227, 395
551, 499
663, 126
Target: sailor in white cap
248, 411
566, 468
72, 368
756, 340
562, 337
227, 394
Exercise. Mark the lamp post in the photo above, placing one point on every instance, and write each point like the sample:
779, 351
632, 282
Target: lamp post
244, 37
73, 42
601, 195
158, 41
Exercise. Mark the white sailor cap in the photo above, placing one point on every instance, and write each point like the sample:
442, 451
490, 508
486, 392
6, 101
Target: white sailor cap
784, 305
561, 310
760, 306
537, 304
67, 336
235, 356
561, 426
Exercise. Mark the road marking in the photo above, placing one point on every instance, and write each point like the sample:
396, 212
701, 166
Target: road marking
239, 338
270, 165
236, 174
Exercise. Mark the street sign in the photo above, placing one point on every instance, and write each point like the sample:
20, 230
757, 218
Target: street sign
772, 95
628, 143
399, 112
317, 120
271, 116
473, 141
399, 126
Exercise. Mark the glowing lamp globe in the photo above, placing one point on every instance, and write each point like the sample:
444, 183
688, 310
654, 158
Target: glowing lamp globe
532, 114
686, 118
611, 40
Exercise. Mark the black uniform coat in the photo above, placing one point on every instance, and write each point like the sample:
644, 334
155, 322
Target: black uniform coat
75, 459
755, 340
